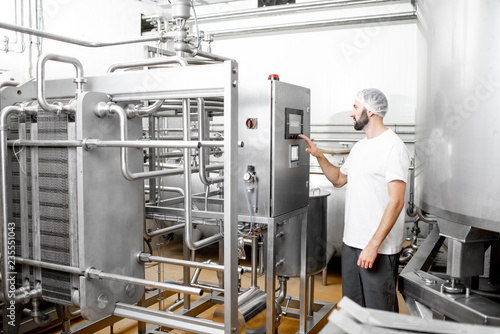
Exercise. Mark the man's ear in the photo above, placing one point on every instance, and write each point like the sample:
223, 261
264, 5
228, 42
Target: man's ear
370, 114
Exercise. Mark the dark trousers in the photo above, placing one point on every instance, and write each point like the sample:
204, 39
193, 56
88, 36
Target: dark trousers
373, 288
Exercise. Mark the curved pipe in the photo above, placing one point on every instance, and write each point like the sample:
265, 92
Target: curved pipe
423, 217
133, 110
4, 158
9, 84
40, 318
188, 231
162, 231
103, 109
79, 80
202, 135
148, 62
282, 294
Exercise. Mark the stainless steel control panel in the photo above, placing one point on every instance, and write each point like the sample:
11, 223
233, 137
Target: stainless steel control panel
271, 116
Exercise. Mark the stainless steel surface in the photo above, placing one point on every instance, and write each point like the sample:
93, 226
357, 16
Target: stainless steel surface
425, 288
288, 240
100, 223
106, 211
317, 232
456, 115
169, 320
280, 188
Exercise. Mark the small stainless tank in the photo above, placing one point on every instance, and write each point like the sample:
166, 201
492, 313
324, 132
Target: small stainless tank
316, 231
289, 235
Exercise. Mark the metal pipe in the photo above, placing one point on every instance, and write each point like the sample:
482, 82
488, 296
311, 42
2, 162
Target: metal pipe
148, 62
97, 143
289, 8
104, 109
9, 84
334, 140
202, 135
51, 266
188, 231
254, 261
4, 159
79, 80
405, 16
167, 319
64, 39
282, 294
175, 305
146, 257
137, 110
172, 189
40, 318
92, 273
162, 231
204, 54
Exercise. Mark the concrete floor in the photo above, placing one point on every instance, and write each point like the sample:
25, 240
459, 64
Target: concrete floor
332, 292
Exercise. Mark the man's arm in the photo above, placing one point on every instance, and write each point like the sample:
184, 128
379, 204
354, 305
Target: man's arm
396, 203
331, 172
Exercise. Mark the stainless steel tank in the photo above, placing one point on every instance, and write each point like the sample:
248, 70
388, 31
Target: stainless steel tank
317, 232
458, 112
289, 235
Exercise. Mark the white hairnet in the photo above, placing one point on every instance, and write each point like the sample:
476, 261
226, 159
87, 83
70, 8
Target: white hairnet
373, 100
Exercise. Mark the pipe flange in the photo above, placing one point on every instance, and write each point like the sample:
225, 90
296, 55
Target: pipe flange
81, 80
89, 144
92, 273
455, 289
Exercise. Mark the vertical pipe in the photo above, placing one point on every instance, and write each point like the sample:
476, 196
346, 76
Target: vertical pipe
230, 197
304, 291
186, 121
35, 203
270, 280
310, 295
73, 203
152, 161
254, 261
4, 158
23, 193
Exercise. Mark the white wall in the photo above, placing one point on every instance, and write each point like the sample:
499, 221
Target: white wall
335, 62
88, 20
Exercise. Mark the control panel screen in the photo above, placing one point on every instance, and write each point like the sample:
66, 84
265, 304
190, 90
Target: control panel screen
294, 123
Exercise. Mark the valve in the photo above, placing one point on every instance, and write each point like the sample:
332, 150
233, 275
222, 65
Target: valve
249, 177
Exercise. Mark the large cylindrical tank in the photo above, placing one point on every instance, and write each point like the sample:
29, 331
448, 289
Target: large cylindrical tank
458, 111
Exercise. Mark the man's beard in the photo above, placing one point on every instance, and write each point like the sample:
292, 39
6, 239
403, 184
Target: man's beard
363, 120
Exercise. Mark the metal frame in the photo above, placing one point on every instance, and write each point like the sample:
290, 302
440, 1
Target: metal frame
216, 80
418, 285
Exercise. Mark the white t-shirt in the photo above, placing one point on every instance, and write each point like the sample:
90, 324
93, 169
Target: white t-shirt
370, 166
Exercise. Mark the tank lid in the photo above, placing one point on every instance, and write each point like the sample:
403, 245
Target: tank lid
318, 192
